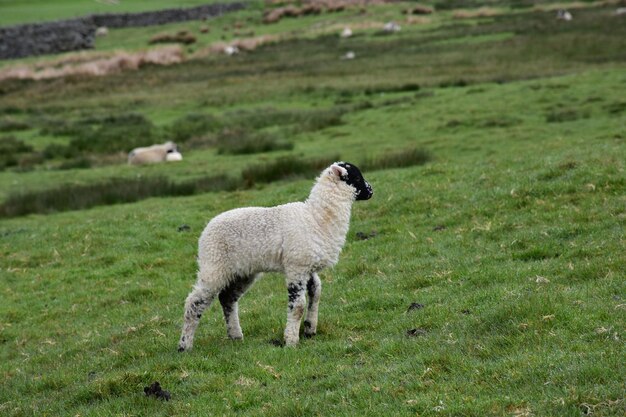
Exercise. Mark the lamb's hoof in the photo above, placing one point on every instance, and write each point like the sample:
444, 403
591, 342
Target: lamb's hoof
181, 349
291, 343
309, 331
235, 337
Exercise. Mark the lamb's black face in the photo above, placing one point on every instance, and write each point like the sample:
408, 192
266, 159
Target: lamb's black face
356, 180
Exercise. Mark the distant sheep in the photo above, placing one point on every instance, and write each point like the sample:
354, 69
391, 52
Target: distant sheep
102, 31
563, 14
231, 50
346, 32
298, 239
152, 154
349, 55
391, 27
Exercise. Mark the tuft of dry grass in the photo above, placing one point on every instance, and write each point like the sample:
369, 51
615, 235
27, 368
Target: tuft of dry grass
315, 7
480, 12
94, 65
417, 20
184, 36
243, 44
419, 10
550, 7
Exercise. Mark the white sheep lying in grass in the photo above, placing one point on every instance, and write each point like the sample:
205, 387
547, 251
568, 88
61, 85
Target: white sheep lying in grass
299, 239
152, 154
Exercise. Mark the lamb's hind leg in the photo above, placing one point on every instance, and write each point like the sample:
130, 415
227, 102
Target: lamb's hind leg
198, 300
313, 290
296, 289
229, 298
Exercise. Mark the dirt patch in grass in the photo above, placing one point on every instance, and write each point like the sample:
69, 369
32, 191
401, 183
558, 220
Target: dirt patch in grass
417, 332
366, 236
156, 391
415, 306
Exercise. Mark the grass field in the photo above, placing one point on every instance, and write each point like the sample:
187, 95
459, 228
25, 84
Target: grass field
506, 223
31, 11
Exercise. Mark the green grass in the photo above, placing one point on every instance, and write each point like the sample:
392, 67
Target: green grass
511, 234
14, 12
124, 190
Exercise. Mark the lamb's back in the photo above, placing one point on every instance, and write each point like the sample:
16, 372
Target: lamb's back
249, 239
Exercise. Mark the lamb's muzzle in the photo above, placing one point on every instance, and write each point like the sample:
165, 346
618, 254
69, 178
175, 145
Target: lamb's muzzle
298, 239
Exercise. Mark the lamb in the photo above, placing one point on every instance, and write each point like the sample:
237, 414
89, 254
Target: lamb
298, 239
151, 154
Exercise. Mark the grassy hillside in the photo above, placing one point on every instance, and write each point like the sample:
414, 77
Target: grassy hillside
13, 12
506, 225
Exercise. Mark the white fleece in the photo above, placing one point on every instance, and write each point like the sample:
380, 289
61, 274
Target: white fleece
291, 238
151, 154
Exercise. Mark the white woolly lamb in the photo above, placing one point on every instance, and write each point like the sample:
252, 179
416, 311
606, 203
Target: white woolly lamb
299, 239
151, 154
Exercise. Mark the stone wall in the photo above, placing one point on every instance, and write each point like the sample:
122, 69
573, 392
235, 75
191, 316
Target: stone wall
46, 38
76, 34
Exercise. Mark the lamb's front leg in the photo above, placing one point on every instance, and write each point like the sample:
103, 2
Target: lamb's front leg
313, 290
296, 289
198, 300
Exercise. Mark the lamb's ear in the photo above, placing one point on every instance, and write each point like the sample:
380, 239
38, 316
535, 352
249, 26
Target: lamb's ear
338, 171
